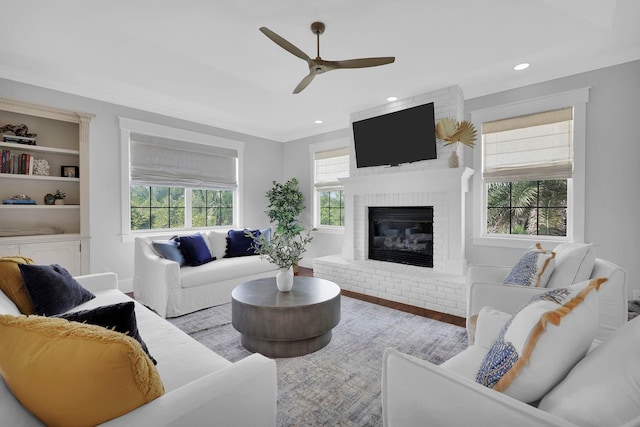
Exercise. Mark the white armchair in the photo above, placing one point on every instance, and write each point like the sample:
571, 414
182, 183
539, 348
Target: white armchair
486, 289
416, 392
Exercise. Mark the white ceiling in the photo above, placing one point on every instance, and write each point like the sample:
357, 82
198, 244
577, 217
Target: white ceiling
206, 61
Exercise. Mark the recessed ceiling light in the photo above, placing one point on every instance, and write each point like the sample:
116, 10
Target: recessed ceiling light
522, 66
392, 98
318, 122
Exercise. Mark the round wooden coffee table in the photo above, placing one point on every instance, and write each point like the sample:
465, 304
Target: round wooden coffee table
285, 324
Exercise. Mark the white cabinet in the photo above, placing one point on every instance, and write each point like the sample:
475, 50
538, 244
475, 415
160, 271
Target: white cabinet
66, 253
48, 232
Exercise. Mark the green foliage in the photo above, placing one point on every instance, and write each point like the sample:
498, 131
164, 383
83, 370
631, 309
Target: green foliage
332, 207
211, 207
286, 203
527, 207
156, 207
283, 250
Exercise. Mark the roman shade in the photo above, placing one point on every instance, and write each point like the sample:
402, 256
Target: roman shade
329, 167
527, 148
158, 161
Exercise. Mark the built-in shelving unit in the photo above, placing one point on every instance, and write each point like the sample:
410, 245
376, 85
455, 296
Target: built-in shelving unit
48, 233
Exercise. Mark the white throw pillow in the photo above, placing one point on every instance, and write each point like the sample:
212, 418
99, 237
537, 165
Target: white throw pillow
603, 388
218, 243
542, 342
574, 264
489, 325
533, 268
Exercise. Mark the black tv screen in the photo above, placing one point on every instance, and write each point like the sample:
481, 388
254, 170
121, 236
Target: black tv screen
403, 136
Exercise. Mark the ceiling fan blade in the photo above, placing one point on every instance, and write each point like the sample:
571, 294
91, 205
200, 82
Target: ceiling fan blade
360, 63
304, 83
289, 47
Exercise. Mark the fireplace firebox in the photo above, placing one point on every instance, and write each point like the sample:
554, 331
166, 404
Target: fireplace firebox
402, 235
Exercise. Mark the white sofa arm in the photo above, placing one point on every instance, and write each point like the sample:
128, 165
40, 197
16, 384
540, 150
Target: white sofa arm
487, 273
418, 393
243, 394
507, 298
153, 277
98, 282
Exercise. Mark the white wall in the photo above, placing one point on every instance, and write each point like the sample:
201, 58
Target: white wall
262, 164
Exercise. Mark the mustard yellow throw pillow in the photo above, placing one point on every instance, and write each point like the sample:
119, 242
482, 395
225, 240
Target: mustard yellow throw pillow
12, 284
74, 374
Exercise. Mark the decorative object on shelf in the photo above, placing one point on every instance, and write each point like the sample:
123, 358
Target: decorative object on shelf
20, 135
49, 199
19, 199
59, 197
283, 250
452, 131
69, 171
40, 167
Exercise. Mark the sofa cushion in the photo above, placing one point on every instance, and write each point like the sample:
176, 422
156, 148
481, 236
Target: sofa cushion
194, 249
541, 343
7, 306
218, 243
223, 269
238, 244
52, 289
75, 374
169, 249
603, 388
533, 268
574, 264
12, 284
119, 317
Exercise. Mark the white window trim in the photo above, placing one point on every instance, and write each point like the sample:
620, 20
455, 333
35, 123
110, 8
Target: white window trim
127, 126
578, 99
334, 144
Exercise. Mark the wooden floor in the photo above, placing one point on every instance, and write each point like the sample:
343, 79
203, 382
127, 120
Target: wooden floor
431, 314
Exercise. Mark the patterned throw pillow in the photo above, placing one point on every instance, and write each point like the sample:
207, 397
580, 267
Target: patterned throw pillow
533, 268
540, 344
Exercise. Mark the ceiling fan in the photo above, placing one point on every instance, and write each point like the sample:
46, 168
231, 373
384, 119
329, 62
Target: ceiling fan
319, 65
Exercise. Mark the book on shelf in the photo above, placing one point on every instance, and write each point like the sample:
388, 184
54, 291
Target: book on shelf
19, 139
21, 164
18, 202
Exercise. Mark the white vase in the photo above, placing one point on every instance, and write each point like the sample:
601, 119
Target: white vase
284, 279
454, 162
59, 202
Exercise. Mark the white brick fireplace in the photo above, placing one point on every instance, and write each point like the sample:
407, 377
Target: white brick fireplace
424, 183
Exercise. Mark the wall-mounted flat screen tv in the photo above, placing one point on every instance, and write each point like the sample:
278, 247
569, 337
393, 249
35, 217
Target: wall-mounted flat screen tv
403, 136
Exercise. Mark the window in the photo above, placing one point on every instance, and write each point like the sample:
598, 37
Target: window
156, 207
521, 157
532, 170
211, 207
180, 180
329, 166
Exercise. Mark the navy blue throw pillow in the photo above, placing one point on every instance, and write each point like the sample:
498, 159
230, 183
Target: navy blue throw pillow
238, 244
169, 249
194, 249
120, 317
52, 289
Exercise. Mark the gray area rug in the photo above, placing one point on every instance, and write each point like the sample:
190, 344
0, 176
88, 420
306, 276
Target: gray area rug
338, 385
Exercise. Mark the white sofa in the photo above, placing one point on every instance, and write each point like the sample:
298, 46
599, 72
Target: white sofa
172, 290
416, 392
201, 387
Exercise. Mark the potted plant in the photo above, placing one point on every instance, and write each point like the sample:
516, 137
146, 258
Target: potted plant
59, 197
286, 203
283, 250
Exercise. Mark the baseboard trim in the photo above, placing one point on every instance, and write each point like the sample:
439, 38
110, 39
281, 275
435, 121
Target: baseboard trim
419, 311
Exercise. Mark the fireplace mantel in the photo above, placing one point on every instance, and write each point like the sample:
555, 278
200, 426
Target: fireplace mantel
434, 180
443, 188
